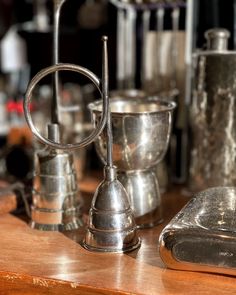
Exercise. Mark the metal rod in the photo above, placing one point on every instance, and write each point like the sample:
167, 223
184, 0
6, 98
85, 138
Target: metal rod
105, 87
105, 93
120, 48
56, 20
146, 26
190, 39
174, 45
132, 15
160, 13
28, 96
234, 34
130, 48
160, 18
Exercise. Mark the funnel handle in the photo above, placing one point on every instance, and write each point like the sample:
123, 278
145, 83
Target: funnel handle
65, 67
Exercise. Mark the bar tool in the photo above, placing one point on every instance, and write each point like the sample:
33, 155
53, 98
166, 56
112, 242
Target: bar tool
212, 115
57, 6
141, 130
120, 72
126, 47
160, 15
174, 43
202, 236
146, 19
111, 226
129, 25
55, 203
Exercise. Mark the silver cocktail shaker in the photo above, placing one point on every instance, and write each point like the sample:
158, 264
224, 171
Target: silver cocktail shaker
213, 119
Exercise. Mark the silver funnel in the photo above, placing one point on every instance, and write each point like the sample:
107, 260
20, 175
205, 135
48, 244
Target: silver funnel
111, 226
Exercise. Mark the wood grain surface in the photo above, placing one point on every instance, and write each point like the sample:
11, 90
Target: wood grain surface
34, 262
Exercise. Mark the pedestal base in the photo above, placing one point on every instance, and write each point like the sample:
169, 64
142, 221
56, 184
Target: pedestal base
144, 196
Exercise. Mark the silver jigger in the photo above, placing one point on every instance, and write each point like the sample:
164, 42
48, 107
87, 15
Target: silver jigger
56, 202
111, 226
141, 131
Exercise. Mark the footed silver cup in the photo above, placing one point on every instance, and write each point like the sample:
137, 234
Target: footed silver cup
141, 131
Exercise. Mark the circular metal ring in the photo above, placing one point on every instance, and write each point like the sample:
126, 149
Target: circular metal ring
65, 67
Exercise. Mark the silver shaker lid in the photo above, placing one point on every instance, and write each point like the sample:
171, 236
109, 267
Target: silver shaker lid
217, 39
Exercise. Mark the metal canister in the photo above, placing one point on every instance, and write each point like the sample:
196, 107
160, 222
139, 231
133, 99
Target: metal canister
56, 202
213, 119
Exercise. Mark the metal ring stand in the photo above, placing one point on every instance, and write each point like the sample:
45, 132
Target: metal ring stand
65, 67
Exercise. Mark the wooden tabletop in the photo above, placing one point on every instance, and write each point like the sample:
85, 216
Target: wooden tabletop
35, 262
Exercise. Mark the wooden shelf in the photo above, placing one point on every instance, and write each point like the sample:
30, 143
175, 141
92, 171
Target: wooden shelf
34, 262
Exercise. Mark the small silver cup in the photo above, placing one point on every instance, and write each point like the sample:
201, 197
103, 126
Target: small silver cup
141, 131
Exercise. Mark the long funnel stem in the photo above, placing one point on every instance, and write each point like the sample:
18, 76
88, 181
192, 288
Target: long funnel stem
56, 19
105, 87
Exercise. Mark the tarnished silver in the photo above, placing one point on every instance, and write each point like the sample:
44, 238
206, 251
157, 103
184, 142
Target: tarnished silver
202, 236
212, 118
56, 203
141, 130
217, 39
111, 226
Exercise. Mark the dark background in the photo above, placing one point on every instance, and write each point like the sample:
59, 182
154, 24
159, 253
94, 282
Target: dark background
82, 46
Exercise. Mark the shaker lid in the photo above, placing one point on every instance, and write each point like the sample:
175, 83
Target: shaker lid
217, 39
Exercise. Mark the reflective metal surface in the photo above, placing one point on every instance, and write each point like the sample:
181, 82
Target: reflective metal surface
56, 93
111, 225
28, 97
146, 199
141, 130
213, 116
56, 204
202, 236
217, 39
